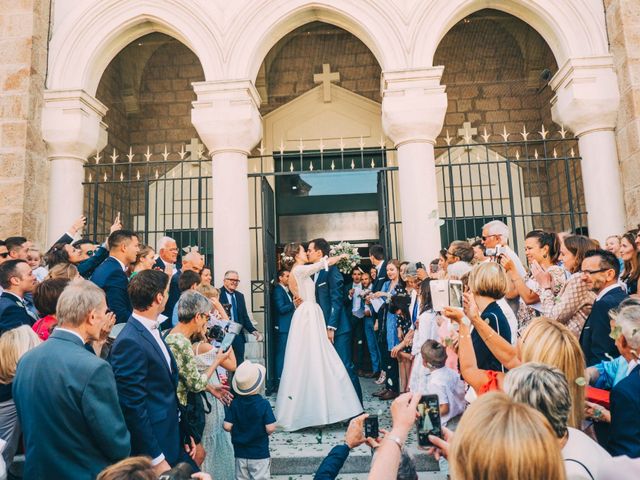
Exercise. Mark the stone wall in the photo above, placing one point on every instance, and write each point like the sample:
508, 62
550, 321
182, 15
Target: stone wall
24, 27
290, 65
623, 24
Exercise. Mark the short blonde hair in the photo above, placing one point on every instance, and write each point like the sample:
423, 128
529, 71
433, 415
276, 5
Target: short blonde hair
14, 344
208, 291
489, 280
132, 468
67, 271
523, 445
551, 343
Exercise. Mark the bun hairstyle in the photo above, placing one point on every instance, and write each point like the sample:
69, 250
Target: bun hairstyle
547, 239
288, 257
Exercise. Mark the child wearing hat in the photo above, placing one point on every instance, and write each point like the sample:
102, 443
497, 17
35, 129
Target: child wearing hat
250, 420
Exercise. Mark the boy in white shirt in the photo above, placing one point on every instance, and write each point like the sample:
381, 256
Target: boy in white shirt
442, 381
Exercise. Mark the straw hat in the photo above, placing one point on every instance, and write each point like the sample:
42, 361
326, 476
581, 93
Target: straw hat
248, 378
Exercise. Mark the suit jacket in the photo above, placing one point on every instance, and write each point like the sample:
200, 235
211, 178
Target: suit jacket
88, 266
376, 286
624, 436
68, 407
332, 464
147, 392
330, 296
174, 291
110, 277
283, 307
241, 307
13, 313
594, 339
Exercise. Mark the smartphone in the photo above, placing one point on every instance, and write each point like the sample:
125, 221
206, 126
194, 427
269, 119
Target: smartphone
234, 329
371, 428
428, 422
446, 293
455, 294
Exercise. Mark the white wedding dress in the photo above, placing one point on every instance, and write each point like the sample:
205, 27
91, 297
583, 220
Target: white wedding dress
315, 388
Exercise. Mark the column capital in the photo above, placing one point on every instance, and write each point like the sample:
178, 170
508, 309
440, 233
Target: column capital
72, 125
413, 105
227, 116
586, 94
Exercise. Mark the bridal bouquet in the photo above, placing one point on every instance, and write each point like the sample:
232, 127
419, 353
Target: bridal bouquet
346, 265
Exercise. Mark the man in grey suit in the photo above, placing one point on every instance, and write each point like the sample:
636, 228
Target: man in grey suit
66, 397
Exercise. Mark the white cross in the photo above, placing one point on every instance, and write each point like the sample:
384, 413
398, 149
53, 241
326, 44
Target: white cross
467, 132
325, 78
195, 148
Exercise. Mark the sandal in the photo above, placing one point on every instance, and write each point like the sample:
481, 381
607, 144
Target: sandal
382, 378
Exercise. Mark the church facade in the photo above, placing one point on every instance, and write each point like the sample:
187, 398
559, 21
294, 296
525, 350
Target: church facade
239, 126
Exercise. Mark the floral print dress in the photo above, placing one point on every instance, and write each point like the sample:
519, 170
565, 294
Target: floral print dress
526, 313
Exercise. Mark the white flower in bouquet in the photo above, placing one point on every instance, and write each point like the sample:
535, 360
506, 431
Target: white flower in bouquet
347, 264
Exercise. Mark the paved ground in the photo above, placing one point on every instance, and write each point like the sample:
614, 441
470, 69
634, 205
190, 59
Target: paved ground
297, 455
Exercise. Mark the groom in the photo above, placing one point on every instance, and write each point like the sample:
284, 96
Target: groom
330, 297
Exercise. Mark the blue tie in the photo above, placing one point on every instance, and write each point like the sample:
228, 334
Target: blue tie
234, 308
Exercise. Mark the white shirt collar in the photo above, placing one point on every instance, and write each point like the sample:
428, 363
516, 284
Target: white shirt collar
15, 295
632, 364
149, 324
607, 290
124, 268
71, 332
379, 266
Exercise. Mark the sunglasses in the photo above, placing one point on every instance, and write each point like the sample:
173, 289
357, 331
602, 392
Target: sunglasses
4, 254
488, 236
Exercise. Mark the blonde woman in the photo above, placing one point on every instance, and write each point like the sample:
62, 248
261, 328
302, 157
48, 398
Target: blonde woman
67, 271
496, 438
13, 345
521, 443
145, 260
543, 341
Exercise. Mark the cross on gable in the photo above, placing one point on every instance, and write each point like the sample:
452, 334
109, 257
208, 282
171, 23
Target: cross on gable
467, 132
195, 148
325, 78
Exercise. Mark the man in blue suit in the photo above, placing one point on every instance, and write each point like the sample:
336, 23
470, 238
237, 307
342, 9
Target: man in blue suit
147, 375
229, 295
624, 434
283, 307
111, 275
330, 297
600, 271
66, 397
17, 280
167, 261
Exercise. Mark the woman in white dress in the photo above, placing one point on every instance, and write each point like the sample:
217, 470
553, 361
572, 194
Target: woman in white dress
315, 388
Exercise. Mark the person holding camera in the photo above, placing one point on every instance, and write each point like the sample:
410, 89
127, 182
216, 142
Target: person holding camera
193, 315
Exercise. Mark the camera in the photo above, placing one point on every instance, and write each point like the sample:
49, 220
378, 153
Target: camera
496, 252
181, 471
428, 422
216, 333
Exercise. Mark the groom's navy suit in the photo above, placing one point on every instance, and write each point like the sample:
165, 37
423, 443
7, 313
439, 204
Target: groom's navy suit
330, 297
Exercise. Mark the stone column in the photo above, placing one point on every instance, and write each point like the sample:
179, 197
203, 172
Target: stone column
413, 109
72, 129
587, 101
228, 121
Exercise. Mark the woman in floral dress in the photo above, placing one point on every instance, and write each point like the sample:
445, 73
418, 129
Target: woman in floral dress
542, 250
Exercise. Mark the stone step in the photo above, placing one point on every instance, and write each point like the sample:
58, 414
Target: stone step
360, 476
304, 459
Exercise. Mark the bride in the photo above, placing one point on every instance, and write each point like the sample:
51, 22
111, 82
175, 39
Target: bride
315, 388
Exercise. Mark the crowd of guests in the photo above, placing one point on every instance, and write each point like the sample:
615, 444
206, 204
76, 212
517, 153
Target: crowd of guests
124, 344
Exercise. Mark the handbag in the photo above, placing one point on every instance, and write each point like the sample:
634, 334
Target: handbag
193, 415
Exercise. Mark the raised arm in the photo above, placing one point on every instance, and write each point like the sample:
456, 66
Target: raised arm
469, 370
